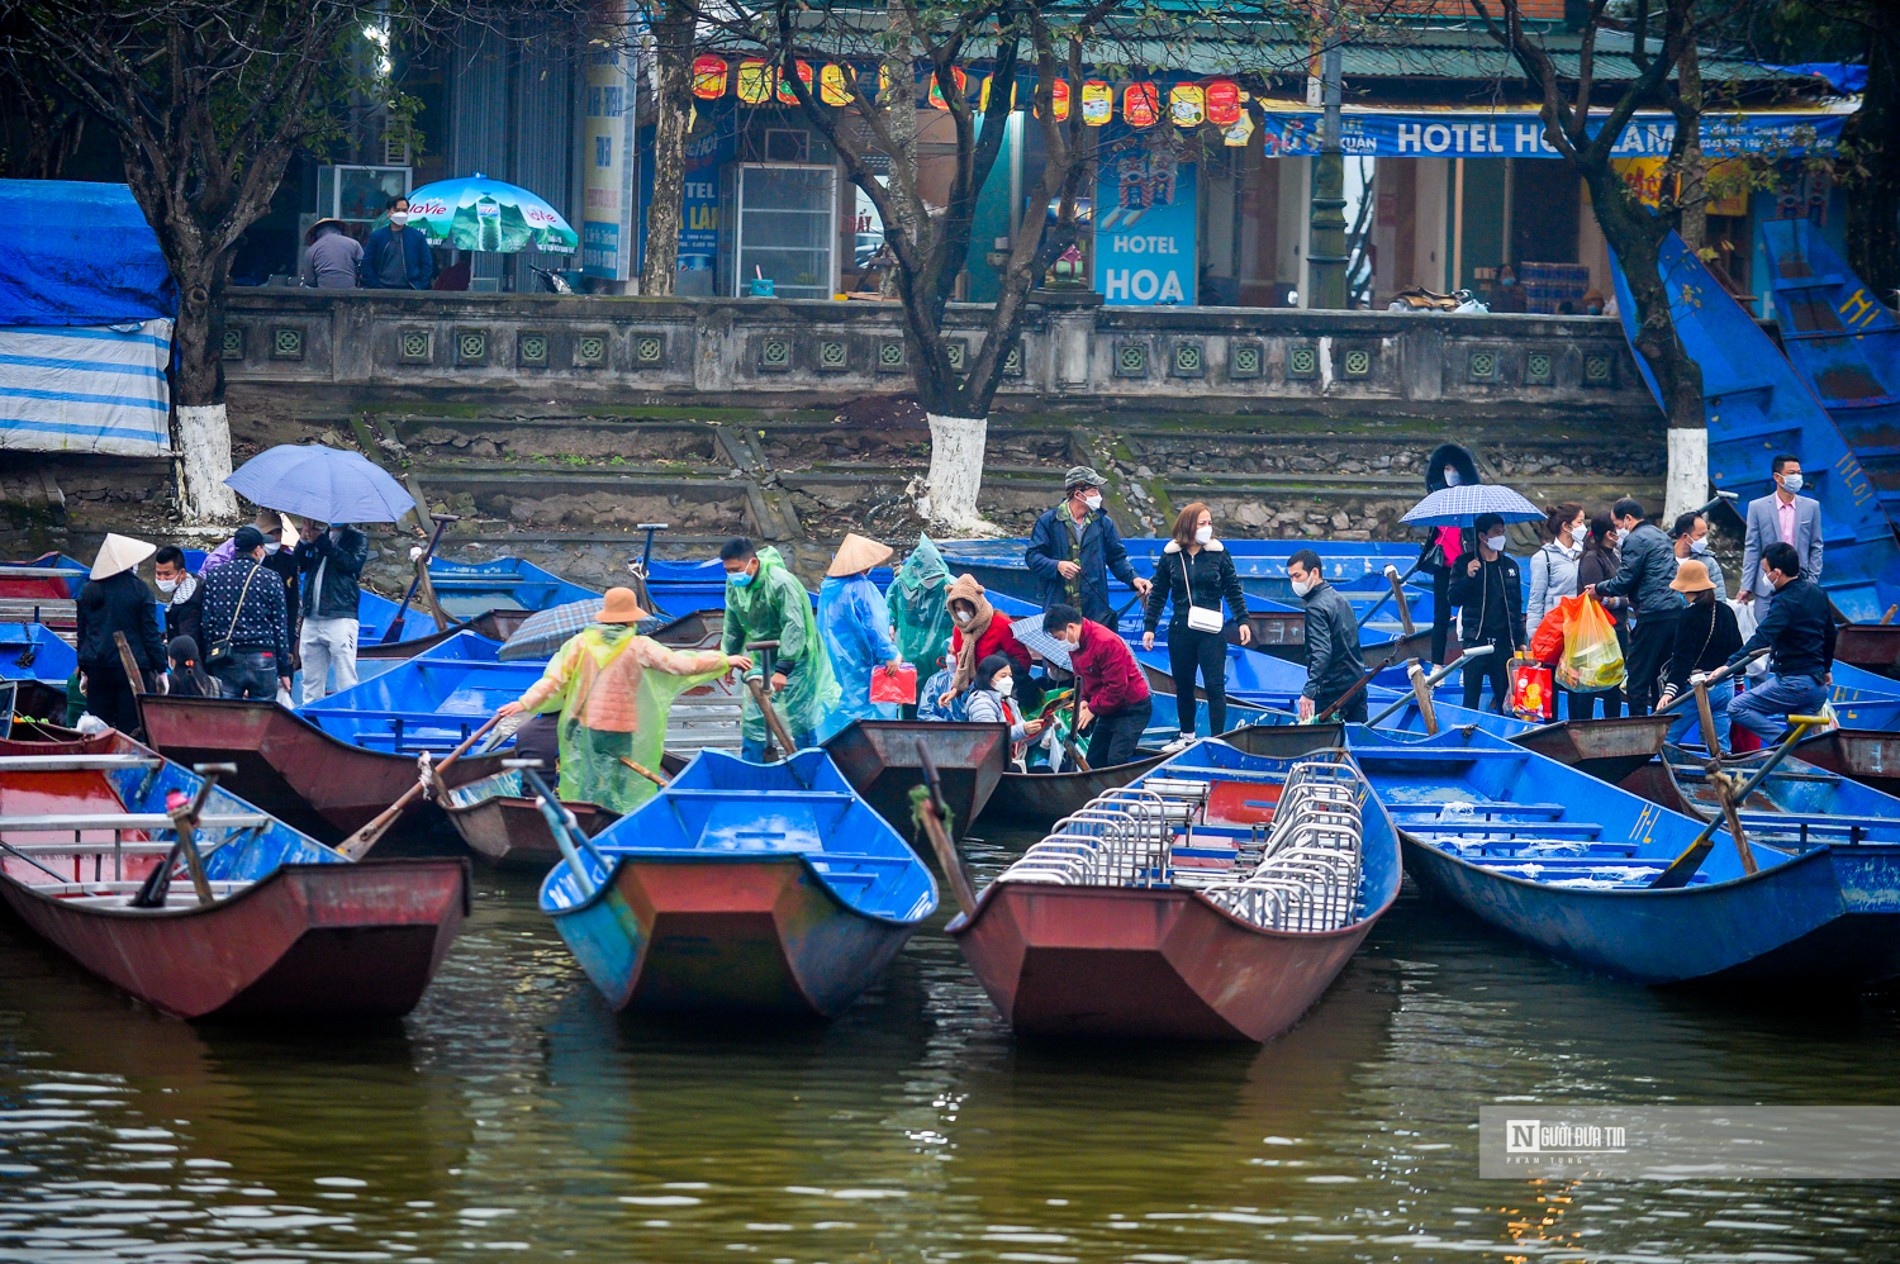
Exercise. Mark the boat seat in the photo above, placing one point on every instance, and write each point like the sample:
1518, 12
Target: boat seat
1472, 809
1791, 823
774, 796
829, 858
1565, 862
124, 821
1568, 829
1238, 804
1486, 849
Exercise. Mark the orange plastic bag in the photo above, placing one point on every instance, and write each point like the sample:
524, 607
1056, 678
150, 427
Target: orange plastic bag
894, 686
1547, 638
1592, 659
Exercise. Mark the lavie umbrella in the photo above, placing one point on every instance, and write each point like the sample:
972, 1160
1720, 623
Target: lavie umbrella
477, 213
1462, 505
321, 483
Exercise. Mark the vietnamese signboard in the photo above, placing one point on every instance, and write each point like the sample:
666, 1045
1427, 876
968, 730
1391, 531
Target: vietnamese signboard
608, 165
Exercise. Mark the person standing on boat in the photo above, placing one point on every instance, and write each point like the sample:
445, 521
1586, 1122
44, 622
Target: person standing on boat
978, 631
1706, 634
1554, 570
1485, 585
1799, 634
1781, 516
1690, 535
991, 700
1075, 546
765, 602
244, 613
1334, 661
332, 557
1646, 569
116, 600
854, 624
184, 595
1196, 573
1450, 465
1115, 696
1599, 561
612, 689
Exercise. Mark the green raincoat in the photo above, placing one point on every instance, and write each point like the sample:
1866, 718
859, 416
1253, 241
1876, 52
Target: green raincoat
920, 611
613, 689
776, 607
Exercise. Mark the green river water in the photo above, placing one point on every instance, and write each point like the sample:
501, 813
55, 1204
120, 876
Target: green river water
513, 1116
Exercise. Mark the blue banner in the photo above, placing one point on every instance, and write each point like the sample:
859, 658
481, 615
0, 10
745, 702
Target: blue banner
1144, 224
1295, 134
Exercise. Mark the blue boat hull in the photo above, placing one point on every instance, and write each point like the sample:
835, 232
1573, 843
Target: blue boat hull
724, 935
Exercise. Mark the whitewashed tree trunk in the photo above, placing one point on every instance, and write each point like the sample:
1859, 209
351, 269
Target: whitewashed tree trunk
956, 473
1688, 478
204, 462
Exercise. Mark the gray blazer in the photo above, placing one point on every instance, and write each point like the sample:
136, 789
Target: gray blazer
1764, 529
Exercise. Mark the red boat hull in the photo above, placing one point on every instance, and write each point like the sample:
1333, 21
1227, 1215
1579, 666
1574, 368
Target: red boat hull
1162, 964
509, 830
294, 770
309, 941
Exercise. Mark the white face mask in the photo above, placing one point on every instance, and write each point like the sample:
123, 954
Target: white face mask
1203, 535
272, 546
1303, 586
398, 218
1579, 534
1451, 477
1791, 483
1495, 543
962, 617
1699, 546
167, 585
1003, 684
1093, 500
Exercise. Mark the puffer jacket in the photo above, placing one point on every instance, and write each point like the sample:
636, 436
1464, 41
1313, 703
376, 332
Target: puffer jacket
1209, 573
1648, 566
342, 560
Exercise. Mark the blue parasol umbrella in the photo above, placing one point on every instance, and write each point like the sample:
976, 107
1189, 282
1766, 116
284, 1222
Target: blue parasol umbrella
1463, 505
323, 484
477, 213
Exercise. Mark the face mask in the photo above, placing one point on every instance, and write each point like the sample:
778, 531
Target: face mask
1003, 684
273, 546
1791, 483
167, 585
1451, 477
1507, 280
1579, 534
1495, 543
1093, 500
962, 617
1303, 586
1767, 578
739, 579
1203, 535
398, 218
1699, 546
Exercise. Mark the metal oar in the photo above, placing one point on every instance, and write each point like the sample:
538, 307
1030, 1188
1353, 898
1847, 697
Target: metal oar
1684, 867
1430, 682
358, 844
567, 831
1715, 677
1398, 589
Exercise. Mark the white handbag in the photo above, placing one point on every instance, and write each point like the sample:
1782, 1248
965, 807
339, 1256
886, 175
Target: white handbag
1200, 618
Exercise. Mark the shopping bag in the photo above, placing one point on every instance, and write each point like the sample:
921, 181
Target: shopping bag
1531, 689
1592, 658
1547, 639
894, 685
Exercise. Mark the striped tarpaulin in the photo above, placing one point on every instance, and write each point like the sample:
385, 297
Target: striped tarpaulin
86, 389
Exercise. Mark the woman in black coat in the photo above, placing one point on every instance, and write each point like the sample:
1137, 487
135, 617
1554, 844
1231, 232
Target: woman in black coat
116, 600
1196, 573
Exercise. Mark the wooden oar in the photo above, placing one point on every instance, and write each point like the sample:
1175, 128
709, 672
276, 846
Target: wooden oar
1684, 867
394, 631
932, 813
1405, 607
757, 681
1715, 677
1359, 687
358, 844
184, 824
1885, 619
1069, 740
567, 831
1431, 682
644, 771
1398, 588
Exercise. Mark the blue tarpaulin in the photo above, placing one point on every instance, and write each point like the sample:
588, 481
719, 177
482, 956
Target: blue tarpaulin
78, 253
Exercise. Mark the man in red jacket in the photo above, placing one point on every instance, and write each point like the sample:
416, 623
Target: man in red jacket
1115, 697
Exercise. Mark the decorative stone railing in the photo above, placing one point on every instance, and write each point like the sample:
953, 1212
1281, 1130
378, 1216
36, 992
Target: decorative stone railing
746, 350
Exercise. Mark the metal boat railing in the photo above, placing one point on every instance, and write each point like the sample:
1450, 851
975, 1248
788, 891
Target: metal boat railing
1310, 877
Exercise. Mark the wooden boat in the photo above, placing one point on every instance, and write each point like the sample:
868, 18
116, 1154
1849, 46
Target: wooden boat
1215, 898
38, 663
493, 625
879, 759
1873, 647
1864, 699
467, 589
293, 929
294, 770
502, 825
747, 888
1871, 758
42, 590
1799, 805
1563, 861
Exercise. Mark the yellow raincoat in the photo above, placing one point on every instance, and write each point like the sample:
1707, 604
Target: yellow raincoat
613, 689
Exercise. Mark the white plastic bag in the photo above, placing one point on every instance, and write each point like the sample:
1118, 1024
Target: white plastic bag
1745, 622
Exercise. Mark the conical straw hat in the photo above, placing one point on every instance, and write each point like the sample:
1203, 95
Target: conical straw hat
120, 553
858, 553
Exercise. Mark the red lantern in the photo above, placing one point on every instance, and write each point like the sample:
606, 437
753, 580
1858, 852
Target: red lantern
1141, 104
785, 93
1223, 103
709, 77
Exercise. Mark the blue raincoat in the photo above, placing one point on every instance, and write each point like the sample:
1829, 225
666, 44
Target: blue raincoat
854, 625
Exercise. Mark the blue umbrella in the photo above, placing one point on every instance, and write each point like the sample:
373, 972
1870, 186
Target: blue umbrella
1462, 505
323, 484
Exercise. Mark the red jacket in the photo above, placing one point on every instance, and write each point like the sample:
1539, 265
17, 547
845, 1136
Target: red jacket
996, 639
1106, 670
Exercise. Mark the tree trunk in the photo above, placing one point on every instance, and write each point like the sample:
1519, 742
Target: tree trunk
673, 43
1692, 192
956, 473
1873, 202
202, 433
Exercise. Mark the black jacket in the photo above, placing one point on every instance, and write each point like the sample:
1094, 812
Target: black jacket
342, 561
283, 564
1490, 603
252, 618
119, 603
1705, 638
1646, 569
185, 617
1209, 574
1334, 662
1799, 629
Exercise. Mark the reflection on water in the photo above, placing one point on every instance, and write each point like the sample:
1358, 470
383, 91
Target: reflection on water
512, 1112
